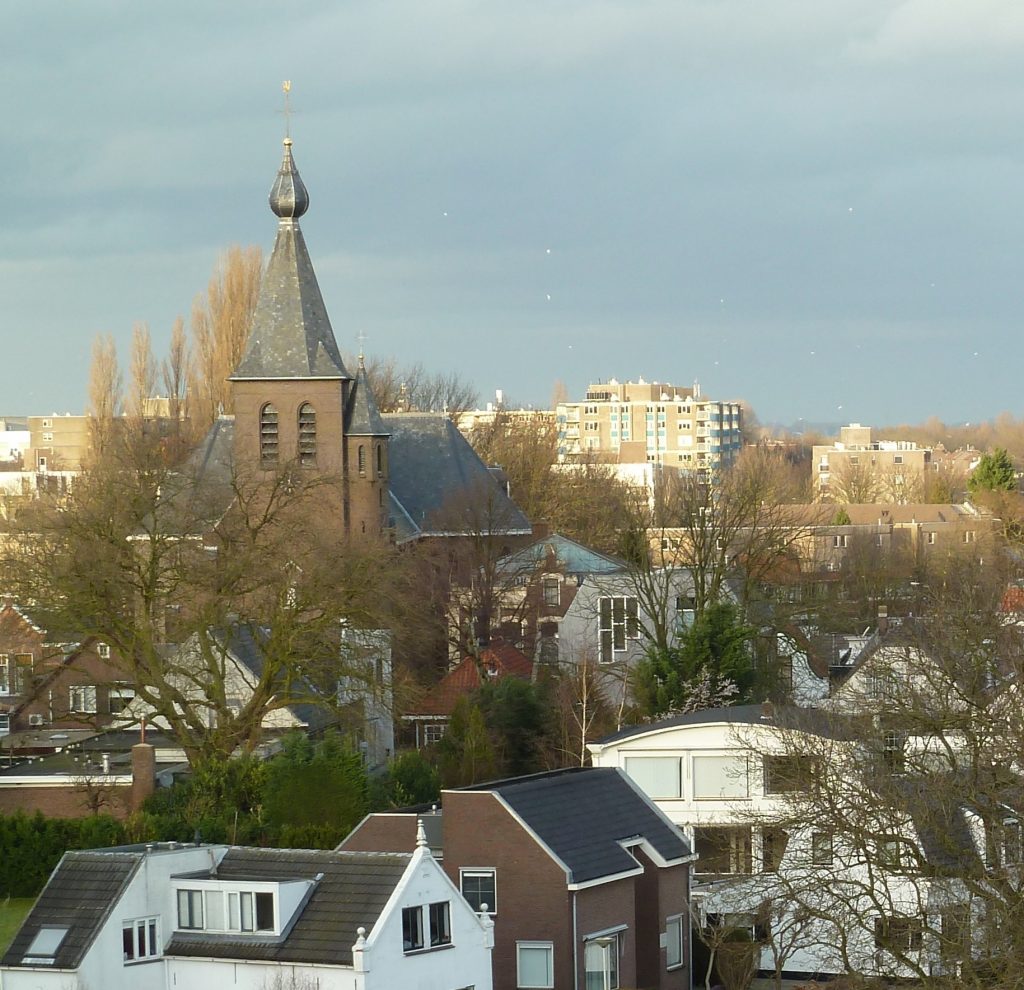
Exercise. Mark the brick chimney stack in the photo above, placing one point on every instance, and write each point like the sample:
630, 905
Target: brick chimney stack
143, 773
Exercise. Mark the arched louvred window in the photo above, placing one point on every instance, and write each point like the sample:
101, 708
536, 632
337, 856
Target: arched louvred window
307, 434
380, 460
268, 434
361, 457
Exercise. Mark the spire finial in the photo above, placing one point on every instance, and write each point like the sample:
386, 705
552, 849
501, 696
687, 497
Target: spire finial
286, 88
421, 835
361, 337
288, 199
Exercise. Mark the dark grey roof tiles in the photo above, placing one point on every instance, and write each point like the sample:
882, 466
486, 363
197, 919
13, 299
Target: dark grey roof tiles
440, 481
291, 335
583, 814
362, 418
351, 894
79, 896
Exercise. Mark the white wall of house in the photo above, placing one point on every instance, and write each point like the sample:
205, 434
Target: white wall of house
148, 895
712, 774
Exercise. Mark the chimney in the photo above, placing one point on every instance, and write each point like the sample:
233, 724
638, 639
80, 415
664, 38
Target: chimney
143, 773
883, 619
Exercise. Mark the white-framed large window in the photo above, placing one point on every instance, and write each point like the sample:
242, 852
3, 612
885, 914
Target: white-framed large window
227, 910
717, 777
656, 776
601, 962
619, 622
139, 939
535, 965
674, 941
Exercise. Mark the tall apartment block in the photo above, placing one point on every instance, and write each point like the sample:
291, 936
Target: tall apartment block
649, 423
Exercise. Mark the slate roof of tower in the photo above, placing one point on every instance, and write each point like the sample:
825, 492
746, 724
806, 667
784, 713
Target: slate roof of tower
440, 482
583, 814
79, 896
291, 335
362, 419
351, 893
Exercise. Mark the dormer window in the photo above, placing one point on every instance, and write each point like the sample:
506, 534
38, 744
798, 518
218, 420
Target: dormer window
307, 435
268, 434
242, 905
221, 910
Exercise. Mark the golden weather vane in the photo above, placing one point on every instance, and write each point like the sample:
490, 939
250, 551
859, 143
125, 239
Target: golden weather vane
286, 88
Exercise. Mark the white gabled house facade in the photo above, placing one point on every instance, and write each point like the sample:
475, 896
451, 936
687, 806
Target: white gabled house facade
818, 902
171, 916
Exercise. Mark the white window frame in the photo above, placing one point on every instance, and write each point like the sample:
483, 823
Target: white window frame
103, 651
5, 674
741, 759
82, 699
629, 625
433, 733
480, 871
231, 907
674, 938
549, 948
414, 911
613, 950
150, 933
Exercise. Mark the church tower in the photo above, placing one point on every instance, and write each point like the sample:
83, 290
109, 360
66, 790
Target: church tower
291, 391
366, 456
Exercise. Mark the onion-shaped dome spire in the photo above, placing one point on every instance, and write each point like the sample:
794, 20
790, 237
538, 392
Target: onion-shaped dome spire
288, 199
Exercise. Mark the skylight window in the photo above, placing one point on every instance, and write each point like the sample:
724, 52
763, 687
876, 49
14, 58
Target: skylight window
45, 945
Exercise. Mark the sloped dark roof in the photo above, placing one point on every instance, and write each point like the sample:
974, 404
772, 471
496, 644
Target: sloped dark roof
79, 896
571, 557
583, 813
441, 484
244, 642
291, 335
351, 893
362, 418
812, 720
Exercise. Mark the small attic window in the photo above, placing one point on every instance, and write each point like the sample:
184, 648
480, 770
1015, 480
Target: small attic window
45, 945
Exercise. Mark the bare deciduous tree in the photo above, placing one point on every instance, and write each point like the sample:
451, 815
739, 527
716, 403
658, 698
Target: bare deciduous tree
106, 392
221, 320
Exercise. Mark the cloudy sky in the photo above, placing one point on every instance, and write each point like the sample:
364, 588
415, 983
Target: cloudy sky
814, 206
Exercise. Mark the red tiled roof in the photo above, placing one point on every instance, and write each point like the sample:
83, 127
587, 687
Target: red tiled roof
498, 660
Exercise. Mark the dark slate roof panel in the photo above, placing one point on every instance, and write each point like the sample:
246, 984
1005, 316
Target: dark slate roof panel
582, 814
351, 894
441, 483
362, 418
291, 335
79, 896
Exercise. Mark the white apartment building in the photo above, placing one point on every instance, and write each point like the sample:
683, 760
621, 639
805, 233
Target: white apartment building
649, 423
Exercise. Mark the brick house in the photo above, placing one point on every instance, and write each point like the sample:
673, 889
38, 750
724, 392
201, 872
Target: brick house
587, 882
431, 714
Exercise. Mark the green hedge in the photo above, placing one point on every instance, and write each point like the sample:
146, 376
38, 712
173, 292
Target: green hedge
32, 845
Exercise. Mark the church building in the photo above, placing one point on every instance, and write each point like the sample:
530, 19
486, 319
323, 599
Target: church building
296, 406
